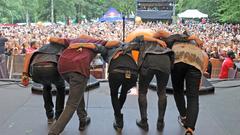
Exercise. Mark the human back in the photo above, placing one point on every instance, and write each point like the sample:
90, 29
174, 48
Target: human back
191, 54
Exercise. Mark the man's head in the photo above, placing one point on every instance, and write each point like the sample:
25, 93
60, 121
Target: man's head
231, 54
34, 44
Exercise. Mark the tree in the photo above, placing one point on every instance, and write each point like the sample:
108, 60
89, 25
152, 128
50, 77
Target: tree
39, 10
127, 6
229, 11
225, 11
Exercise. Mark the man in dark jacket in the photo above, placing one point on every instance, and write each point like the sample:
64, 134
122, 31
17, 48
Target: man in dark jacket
153, 60
122, 73
42, 68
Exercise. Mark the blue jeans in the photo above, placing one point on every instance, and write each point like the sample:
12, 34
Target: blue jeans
192, 76
75, 102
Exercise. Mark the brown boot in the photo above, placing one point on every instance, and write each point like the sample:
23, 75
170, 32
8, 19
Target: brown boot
84, 123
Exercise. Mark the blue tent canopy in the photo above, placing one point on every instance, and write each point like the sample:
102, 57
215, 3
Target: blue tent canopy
111, 15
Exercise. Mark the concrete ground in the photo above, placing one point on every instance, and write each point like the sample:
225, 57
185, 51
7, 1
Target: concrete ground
22, 113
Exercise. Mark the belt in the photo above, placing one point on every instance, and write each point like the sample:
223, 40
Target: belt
45, 64
125, 71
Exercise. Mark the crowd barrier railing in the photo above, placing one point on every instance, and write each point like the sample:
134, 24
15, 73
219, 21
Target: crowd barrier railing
216, 67
15, 65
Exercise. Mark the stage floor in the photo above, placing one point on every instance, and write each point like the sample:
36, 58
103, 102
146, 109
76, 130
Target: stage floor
22, 113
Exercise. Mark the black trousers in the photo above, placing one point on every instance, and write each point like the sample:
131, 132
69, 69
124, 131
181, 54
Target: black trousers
192, 76
117, 80
47, 75
145, 77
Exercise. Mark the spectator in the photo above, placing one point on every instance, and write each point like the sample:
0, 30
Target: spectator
213, 34
226, 65
3, 40
3, 65
33, 47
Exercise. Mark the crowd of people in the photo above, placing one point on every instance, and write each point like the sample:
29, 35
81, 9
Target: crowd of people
218, 38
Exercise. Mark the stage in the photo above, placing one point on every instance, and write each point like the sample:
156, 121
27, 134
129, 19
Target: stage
205, 88
22, 112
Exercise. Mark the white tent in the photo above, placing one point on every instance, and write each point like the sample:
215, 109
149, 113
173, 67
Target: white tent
192, 13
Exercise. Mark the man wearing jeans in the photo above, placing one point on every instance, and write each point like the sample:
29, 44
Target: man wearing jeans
42, 67
154, 60
74, 65
189, 64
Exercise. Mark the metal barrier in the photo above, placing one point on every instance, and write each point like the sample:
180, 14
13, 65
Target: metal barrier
98, 67
15, 65
216, 67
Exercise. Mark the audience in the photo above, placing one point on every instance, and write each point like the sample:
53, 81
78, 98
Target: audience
218, 38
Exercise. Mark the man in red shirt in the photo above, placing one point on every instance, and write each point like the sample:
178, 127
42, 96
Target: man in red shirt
226, 65
74, 66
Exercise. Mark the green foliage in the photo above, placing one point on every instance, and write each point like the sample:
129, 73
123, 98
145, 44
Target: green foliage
229, 11
124, 6
4, 20
40, 10
225, 11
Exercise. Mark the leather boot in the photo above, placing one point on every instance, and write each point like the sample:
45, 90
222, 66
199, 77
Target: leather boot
160, 125
142, 124
118, 123
84, 123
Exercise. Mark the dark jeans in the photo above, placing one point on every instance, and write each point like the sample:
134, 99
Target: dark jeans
192, 76
75, 102
145, 78
115, 81
47, 75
